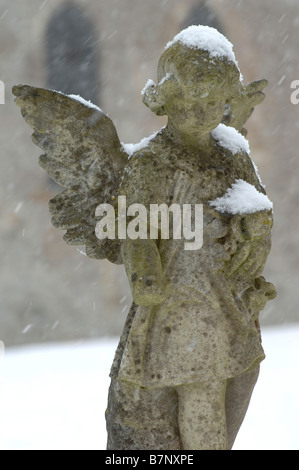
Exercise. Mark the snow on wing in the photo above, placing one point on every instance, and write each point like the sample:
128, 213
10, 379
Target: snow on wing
83, 154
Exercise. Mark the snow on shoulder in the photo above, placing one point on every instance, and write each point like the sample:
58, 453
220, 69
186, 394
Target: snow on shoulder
206, 39
130, 149
229, 138
242, 198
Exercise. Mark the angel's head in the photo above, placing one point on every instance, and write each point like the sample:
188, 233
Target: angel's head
198, 77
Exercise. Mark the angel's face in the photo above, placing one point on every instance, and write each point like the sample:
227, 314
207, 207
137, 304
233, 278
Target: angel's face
198, 91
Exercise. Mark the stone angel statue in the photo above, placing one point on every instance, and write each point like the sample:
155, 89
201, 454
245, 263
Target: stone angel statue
189, 355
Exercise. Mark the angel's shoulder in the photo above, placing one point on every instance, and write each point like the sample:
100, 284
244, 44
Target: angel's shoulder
144, 178
148, 159
149, 148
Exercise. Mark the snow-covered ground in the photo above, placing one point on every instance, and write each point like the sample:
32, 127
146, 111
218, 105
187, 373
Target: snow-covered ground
54, 397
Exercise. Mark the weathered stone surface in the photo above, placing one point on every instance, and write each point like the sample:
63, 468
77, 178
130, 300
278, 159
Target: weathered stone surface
200, 348
189, 355
83, 154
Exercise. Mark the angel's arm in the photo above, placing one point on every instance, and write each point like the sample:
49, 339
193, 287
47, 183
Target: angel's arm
144, 183
144, 270
252, 234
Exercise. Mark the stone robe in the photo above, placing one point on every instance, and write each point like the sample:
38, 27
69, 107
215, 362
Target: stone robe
208, 325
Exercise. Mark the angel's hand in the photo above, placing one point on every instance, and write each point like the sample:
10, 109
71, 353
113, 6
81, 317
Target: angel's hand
258, 295
250, 257
255, 262
239, 257
144, 270
243, 105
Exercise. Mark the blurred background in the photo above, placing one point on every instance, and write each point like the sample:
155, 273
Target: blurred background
106, 51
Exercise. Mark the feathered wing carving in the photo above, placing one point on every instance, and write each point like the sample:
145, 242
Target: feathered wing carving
83, 154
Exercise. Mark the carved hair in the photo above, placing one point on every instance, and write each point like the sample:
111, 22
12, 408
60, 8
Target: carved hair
178, 58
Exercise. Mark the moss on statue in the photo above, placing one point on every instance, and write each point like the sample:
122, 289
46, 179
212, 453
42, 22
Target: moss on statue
189, 355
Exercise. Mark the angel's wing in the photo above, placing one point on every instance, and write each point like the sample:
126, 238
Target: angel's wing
83, 154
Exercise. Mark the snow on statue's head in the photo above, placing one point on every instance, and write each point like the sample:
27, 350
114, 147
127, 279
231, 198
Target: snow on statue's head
200, 58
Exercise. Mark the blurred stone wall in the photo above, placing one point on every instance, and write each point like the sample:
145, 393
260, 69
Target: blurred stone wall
51, 291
